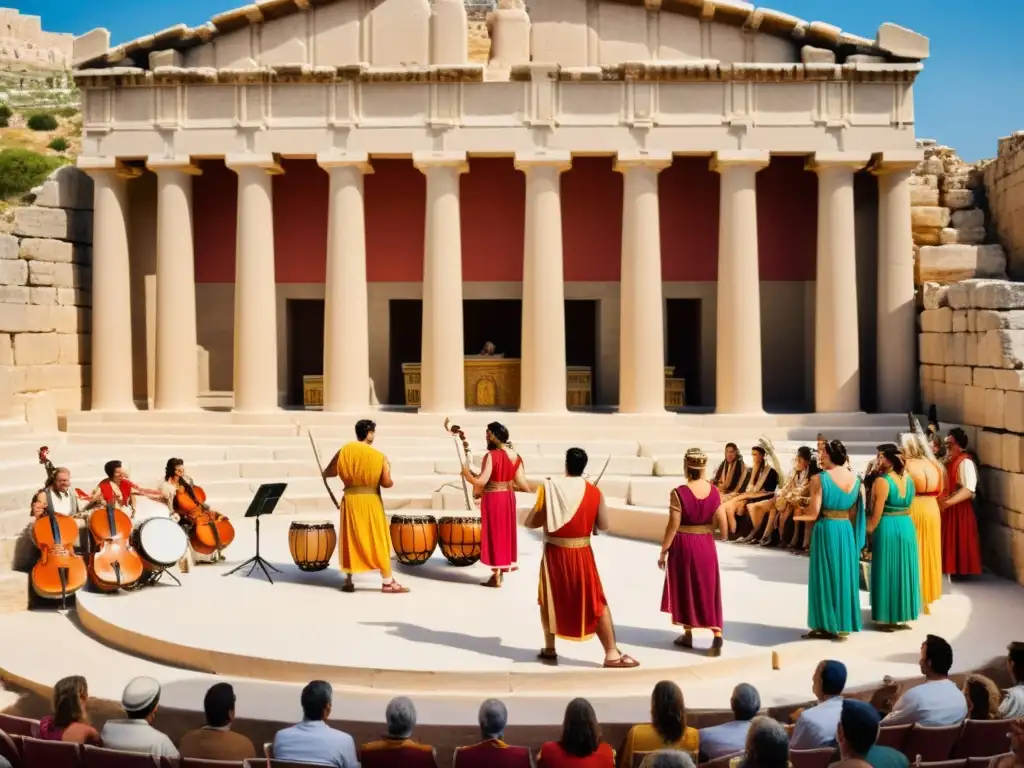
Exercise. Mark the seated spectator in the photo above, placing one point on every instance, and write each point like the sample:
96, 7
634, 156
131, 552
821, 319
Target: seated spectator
312, 740
730, 738
215, 740
857, 736
983, 697
398, 748
816, 726
668, 758
667, 729
1013, 704
767, 746
5, 763
580, 745
492, 752
69, 721
140, 701
1016, 757
937, 701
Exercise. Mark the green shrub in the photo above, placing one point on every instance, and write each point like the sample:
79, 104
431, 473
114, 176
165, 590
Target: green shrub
59, 144
66, 111
42, 121
22, 169
5, 115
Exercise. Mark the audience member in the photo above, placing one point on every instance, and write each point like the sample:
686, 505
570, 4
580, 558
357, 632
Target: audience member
312, 740
398, 747
580, 745
1013, 704
983, 697
667, 729
1015, 759
730, 738
140, 701
69, 721
937, 701
5, 763
668, 758
816, 726
767, 746
492, 752
215, 740
857, 736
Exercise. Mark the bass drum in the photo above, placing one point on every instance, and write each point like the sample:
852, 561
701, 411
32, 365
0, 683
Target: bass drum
413, 537
161, 543
460, 539
146, 509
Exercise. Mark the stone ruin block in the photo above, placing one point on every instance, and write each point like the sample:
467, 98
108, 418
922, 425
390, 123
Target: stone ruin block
937, 320
13, 272
957, 199
924, 196
990, 448
974, 217
958, 374
956, 348
963, 236
993, 320
995, 409
997, 294
974, 405
66, 187
1013, 414
960, 321
1001, 349
955, 263
984, 377
36, 349
1010, 459
56, 223
8, 247
6, 349
932, 348
971, 348
929, 217
934, 295
55, 250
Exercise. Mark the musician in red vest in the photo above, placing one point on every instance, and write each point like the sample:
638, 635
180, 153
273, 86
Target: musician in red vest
961, 550
116, 488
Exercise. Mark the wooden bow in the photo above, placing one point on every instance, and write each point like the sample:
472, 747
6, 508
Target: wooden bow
458, 435
606, 463
319, 465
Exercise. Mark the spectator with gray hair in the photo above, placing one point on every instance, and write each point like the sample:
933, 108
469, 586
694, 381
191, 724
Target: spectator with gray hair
667, 758
492, 752
398, 748
730, 738
767, 745
312, 740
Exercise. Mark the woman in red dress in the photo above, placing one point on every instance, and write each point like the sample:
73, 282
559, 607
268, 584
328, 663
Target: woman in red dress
961, 549
501, 475
580, 745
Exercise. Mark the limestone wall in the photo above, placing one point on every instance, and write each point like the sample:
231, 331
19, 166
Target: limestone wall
23, 43
1004, 186
45, 296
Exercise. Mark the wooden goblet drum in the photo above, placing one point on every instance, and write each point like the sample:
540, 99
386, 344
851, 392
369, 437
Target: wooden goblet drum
414, 538
312, 544
460, 539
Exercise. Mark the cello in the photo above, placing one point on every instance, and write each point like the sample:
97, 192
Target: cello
114, 564
59, 572
209, 531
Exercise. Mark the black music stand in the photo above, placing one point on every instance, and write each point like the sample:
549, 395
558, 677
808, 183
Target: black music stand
263, 503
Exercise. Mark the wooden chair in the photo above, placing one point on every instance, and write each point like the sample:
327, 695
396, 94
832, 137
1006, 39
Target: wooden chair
983, 738
931, 744
811, 758
13, 725
36, 753
10, 750
894, 736
99, 757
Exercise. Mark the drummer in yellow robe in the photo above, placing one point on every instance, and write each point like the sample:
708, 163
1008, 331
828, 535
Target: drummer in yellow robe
365, 541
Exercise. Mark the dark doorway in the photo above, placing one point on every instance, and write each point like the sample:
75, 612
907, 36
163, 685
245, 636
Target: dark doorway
684, 331
305, 318
499, 321
406, 343
581, 339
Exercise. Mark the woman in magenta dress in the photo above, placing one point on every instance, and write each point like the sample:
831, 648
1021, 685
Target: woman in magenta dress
693, 590
501, 474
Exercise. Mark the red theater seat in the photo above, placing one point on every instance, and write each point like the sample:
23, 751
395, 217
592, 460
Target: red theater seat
983, 738
894, 736
401, 757
13, 725
10, 750
811, 758
932, 745
36, 753
487, 755
196, 762
97, 757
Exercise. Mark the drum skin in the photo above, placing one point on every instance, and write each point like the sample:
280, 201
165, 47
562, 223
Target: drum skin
312, 544
460, 539
150, 563
414, 538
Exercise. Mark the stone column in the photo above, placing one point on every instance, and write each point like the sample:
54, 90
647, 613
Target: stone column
177, 382
642, 325
442, 381
836, 339
543, 344
112, 374
738, 348
255, 284
346, 331
896, 350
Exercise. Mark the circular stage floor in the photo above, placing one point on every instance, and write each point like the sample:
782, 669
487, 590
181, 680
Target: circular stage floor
451, 636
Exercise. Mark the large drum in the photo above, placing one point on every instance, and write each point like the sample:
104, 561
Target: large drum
160, 543
414, 538
312, 544
460, 539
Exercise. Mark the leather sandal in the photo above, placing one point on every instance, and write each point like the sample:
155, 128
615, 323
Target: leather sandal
623, 662
393, 588
685, 640
548, 656
348, 586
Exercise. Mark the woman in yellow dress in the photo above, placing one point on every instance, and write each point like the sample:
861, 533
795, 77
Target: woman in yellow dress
928, 476
667, 729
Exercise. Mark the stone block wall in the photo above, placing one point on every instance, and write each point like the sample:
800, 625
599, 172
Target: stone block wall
1004, 186
45, 300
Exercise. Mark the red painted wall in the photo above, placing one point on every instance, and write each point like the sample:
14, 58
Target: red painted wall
493, 215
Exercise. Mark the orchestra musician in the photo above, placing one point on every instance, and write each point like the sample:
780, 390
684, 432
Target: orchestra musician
116, 488
58, 497
175, 478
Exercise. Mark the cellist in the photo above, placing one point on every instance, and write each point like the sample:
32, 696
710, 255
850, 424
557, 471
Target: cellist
174, 478
115, 488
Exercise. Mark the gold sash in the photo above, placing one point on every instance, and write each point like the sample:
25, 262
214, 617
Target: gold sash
497, 486
697, 529
835, 514
360, 490
577, 543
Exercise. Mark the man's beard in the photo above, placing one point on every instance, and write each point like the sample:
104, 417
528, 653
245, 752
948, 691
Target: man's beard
493, 445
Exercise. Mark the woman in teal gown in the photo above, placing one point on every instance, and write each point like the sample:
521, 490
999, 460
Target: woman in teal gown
833, 583
895, 561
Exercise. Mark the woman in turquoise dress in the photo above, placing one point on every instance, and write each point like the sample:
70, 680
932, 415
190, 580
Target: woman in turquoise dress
833, 583
895, 561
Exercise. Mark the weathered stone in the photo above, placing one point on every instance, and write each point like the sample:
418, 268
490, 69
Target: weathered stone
974, 405
36, 349
71, 319
59, 275
811, 55
929, 217
985, 378
33, 378
958, 295
54, 250
957, 199
960, 321
924, 196
864, 58
6, 349
956, 348
1008, 380
956, 180
924, 180
970, 218
934, 295
897, 40
8, 247
57, 223
14, 294
27, 318
13, 272
971, 348
44, 295
937, 320
997, 294
66, 187
992, 320
1011, 449
73, 297
924, 237
952, 263
959, 374
990, 448
74, 348
932, 167
1013, 418
995, 408
1001, 349
91, 45
931, 348
964, 236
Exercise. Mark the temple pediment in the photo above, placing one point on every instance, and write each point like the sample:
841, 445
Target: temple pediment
334, 34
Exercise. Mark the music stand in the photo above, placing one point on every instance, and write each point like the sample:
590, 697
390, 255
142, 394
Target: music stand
263, 503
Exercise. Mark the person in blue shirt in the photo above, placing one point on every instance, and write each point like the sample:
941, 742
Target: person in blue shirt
312, 740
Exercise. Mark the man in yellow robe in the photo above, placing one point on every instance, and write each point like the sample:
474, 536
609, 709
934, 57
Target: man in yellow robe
365, 541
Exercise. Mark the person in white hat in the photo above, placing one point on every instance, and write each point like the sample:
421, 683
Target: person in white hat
140, 701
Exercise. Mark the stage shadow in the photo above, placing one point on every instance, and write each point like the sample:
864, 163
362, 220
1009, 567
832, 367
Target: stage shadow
777, 566
439, 569
745, 632
330, 577
486, 646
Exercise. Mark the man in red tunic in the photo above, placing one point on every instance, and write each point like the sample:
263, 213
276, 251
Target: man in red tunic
116, 488
961, 551
572, 602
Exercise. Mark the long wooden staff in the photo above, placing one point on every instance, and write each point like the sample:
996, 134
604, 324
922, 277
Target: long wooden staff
606, 463
456, 433
319, 465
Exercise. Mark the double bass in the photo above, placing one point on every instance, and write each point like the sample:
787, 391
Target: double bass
59, 572
115, 564
209, 531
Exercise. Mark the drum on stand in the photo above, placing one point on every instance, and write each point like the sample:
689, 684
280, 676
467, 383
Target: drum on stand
312, 544
161, 543
414, 538
460, 539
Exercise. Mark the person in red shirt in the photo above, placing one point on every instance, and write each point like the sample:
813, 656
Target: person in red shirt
580, 745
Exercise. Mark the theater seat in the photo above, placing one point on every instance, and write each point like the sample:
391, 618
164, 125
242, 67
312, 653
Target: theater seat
36, 753
484, 754
811, 758
894, 736
97, 757
931, 744
401, 757
983, 738
198, 762
10, 750
13, 725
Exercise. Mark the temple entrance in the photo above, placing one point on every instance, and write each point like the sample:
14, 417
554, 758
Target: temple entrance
683, 348
305, 319
406, 342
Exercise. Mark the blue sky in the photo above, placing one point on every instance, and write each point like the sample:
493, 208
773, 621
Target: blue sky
971, 92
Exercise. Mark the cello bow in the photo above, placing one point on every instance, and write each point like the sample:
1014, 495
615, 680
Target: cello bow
319, 465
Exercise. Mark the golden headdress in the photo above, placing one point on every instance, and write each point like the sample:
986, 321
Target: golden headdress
695, 457
769, 451
915, 443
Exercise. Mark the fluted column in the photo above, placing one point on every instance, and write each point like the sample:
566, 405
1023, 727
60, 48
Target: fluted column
543, 372
836, 339
642, 324
255, 284
738, 349
896, 352
442, 381
346, 331
112, 380
177, 382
